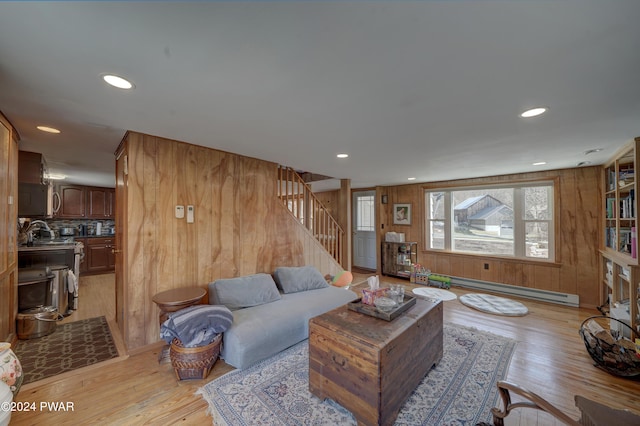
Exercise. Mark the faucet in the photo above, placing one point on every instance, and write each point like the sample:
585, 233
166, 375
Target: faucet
44, 225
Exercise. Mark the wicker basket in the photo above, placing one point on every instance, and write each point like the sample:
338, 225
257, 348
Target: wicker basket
616, 356
194, 363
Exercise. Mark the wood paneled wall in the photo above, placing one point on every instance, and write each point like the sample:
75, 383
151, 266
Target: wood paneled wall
240, 226
331, 200
575, 271
8, 234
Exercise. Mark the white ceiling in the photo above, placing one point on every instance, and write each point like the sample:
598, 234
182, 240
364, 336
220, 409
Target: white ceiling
425, 89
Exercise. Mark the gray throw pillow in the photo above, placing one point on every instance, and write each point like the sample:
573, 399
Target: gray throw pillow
244, 292
299, 278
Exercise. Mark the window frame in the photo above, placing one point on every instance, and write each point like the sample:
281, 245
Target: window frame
519, 225
359, 211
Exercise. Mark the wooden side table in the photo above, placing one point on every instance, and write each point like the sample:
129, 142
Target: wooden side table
173, 300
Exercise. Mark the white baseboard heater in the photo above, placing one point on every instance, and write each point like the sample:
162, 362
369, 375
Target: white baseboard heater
566, 299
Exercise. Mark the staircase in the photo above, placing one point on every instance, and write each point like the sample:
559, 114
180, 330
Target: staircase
297, 196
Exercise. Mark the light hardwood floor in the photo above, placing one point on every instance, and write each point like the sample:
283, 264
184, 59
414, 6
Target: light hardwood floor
550, 359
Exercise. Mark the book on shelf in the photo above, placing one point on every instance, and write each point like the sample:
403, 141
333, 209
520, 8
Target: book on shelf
627, 209
611, 179
611, 211
625, 240
610, 237
626, 175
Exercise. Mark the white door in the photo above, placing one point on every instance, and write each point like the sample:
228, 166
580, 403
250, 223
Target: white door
364, 230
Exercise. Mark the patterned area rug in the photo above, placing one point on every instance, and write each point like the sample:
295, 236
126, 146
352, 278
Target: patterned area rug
73, 345
460, 390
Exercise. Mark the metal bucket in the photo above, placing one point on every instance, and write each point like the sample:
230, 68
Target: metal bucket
37, 322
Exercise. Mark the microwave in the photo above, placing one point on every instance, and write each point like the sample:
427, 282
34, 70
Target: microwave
35, 200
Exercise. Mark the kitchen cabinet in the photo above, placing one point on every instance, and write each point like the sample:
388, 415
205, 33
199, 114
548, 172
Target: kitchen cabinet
99, 255
111, 202
85, 202
32, 167
100, 202
73, 202
398, 258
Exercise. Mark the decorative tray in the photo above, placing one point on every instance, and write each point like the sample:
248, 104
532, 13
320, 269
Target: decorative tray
370, 310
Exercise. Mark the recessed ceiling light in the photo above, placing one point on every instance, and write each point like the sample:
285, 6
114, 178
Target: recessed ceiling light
592, 151
117, 81
411, 178
533, 112
48, 129
342, 155
584, 163
540, 163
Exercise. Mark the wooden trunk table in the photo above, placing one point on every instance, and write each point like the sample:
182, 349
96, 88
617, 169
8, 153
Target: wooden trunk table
370, 366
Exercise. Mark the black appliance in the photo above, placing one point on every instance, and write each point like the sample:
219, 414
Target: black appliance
34, 287
35, 200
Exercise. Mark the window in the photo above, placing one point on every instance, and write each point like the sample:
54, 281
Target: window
365, 213
508, 221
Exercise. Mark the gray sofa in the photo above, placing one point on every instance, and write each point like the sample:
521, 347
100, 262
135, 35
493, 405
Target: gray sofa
271, 315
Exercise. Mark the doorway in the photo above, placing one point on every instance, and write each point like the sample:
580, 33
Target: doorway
364, 230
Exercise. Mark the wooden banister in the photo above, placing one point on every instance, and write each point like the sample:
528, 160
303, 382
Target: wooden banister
297, 196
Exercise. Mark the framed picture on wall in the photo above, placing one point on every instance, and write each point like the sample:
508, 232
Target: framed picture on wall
402, 214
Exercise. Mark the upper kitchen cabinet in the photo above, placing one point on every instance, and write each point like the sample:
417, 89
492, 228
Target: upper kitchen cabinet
85, 202
73, 203
32, 167
100, 202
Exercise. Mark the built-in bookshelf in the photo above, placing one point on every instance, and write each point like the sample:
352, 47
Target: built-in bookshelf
619, 262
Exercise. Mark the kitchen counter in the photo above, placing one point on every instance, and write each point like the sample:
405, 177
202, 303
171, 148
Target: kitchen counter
49, 246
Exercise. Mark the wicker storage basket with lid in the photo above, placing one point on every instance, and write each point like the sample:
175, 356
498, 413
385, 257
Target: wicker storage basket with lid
196, 362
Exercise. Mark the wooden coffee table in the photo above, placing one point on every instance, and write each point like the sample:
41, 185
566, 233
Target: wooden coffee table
370, 366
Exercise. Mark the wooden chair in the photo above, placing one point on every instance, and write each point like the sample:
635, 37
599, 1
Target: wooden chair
592, 413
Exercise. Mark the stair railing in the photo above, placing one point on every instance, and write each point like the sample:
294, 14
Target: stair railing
310, 212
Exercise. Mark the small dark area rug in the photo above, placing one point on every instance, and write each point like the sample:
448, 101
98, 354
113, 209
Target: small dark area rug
73, 345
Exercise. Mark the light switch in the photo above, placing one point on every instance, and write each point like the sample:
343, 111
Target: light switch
190, 214
179, 212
